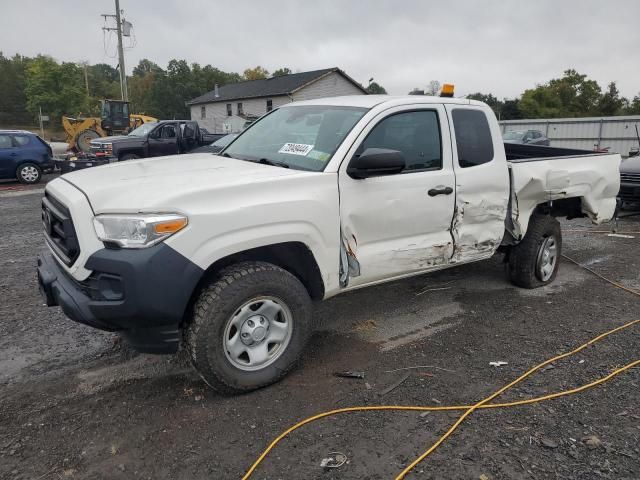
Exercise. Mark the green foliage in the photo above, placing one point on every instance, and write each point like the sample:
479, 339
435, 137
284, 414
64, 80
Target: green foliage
281, 71
375, 88
57, 88
13, 101
28, 84
256, 73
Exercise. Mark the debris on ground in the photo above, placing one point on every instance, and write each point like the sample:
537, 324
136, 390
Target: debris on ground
620, 235
349, 374
547, 442
499, 363
395, 385
419, 366
334, 460
591, 441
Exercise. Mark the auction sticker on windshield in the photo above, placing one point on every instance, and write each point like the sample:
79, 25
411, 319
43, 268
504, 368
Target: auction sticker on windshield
296, 149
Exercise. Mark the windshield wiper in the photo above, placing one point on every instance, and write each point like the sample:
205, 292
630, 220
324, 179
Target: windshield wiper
275, 163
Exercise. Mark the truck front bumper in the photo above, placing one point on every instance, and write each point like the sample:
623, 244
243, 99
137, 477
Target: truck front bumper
140, 294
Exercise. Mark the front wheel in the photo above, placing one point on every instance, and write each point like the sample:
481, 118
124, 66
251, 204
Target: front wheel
249, 327
535, 260
129, 156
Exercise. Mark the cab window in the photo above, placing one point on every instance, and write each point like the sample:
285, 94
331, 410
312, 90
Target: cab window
473, 137
416, 134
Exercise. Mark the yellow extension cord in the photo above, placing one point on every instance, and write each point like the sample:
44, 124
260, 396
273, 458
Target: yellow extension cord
483, 404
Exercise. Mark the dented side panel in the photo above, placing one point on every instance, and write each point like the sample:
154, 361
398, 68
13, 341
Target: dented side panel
390, 226
482, 199
595, 179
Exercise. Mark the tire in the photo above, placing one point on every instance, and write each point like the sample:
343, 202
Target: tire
83, 140
128, 156
28, 173
224, 338
528, 264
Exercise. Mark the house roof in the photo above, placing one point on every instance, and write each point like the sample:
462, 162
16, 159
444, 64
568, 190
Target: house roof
269, 87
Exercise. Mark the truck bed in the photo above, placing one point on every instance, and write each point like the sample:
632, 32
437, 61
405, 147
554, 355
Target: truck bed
529, 153
546, 174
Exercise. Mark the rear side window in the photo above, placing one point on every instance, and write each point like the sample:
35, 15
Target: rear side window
473, 137
21, 140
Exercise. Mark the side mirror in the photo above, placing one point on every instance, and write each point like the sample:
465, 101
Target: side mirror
155, 134
376, 162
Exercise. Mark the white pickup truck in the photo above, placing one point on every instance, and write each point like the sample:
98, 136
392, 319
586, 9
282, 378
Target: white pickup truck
225, 253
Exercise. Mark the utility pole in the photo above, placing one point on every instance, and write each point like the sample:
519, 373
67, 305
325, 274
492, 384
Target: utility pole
118, 29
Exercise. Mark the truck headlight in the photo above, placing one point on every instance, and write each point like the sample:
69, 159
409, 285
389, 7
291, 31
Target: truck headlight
137, 231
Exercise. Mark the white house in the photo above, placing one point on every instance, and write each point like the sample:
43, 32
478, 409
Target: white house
228, 108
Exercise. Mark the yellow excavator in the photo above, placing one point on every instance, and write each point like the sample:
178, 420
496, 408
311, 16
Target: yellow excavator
114, 119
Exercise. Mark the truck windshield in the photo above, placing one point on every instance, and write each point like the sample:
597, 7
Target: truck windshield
143, 130
302, 137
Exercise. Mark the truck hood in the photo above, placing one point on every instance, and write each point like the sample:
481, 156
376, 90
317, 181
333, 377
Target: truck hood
167, 184
113, 138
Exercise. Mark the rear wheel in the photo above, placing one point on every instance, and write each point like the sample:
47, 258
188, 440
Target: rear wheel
249, 327
535, 260
84, 138
28, 173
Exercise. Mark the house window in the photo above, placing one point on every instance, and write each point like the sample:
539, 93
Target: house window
269, 105
203, 112
229, 112
240, 112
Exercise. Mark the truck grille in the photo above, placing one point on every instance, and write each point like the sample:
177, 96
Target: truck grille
630, 177
58, 229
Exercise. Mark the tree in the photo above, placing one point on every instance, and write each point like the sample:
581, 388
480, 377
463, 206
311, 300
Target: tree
13, 100
572, 95
56, 88
611, 103
375, 88
511, 110
257, 73
633, 108
433, 88
281, 72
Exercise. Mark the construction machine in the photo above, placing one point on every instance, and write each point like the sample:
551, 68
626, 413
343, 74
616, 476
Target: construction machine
114, 119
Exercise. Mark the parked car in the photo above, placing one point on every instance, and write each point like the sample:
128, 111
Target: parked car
216, 146
630, 180
227, 254
530, 137
153, 139
208, 137
24, 156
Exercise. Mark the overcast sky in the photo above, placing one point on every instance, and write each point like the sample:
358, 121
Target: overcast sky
502, 47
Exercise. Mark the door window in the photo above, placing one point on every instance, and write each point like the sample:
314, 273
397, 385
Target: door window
5, 141
416, 134
168, 131
473, 137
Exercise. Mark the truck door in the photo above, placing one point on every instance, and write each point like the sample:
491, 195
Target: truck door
164, 140
397, 225
482, 182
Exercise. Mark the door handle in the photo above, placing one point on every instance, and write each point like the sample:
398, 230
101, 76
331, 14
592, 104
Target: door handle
440, 190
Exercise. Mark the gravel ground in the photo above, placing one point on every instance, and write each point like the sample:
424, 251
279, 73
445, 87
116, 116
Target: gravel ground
76, 403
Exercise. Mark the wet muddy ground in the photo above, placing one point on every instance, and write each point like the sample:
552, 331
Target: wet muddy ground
77, 403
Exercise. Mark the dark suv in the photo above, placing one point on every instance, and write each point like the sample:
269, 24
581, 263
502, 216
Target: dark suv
24, 155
